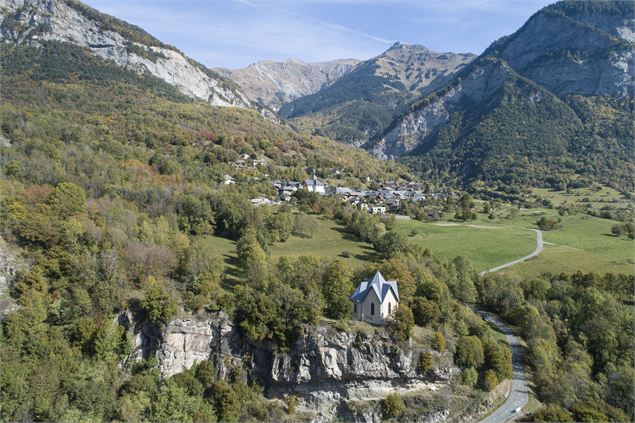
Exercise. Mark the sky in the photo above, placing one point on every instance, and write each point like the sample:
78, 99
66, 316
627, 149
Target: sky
236, 33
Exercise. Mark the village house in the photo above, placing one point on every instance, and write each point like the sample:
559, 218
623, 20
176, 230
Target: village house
315, 185
377, 209
228, 180
375, 300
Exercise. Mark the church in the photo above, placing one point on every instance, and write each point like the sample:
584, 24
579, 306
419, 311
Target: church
375, 299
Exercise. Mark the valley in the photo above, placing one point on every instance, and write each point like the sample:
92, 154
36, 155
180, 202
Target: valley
309, 240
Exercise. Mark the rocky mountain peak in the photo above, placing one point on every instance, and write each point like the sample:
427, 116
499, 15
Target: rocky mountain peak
274, 83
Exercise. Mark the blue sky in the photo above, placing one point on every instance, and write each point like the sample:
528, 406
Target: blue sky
235, 33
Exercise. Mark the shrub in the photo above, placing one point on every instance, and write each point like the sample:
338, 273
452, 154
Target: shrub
439, 341
469, 376
426, 362
393, 405
490, 380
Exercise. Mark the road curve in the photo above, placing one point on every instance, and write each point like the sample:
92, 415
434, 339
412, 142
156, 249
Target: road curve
519, 394
539, 246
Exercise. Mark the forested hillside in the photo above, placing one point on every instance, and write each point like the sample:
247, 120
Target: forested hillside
548, 104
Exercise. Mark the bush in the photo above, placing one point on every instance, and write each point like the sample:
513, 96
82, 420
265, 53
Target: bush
490, 380
469, 376
426, 362
393, 406
439, 341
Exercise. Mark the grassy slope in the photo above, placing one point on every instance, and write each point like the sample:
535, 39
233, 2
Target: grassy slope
486, 248
585, 243
329, 241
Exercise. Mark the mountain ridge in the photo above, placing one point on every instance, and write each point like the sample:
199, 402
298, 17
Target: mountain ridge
362, 102
553, 63
273, 83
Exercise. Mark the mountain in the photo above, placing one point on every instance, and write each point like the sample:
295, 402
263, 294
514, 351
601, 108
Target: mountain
275, 83
363, 102
550, 102
32, 22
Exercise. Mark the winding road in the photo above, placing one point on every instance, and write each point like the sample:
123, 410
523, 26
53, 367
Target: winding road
519, 394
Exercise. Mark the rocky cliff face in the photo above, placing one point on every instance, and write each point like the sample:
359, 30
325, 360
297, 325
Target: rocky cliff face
9, 265
569, 51
31, 21
275, 83
325, 368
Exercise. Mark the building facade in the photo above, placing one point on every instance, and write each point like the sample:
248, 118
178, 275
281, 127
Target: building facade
375, 300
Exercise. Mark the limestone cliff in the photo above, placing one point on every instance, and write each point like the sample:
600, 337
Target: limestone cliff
327, 369
33, 21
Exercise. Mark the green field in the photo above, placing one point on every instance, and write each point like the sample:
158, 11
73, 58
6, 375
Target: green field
584, 243
330, 240
485, 246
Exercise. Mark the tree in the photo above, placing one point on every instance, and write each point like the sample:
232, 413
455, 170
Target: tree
396, 269
498, 357
425, 311
552, 413
67, 200
158, 304
401, 325
549, 223
304, 225
251, 256
391, 244
469, 352
336, 289
393, 405
201, 270
226, 402
195, 215
280, 226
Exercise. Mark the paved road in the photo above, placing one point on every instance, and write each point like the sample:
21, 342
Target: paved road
539, 245
518, 396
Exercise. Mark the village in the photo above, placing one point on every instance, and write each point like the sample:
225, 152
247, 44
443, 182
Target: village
389, 197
